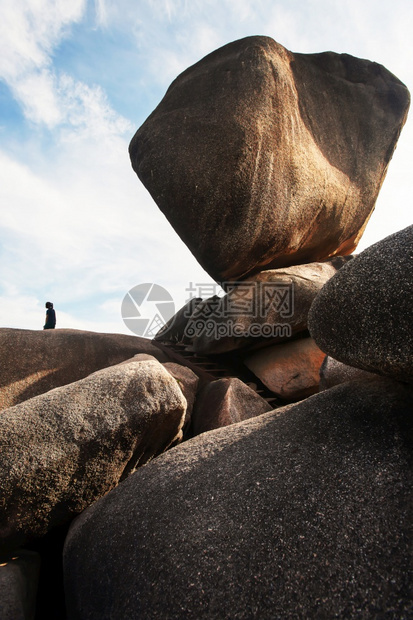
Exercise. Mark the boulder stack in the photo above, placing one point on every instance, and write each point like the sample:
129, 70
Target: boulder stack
280, 298
268, 165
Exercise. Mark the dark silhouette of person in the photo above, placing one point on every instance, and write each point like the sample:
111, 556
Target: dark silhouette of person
50, 322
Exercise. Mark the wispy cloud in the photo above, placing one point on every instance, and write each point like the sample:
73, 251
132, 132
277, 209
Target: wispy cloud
102, 16
29, 31
37, 94
47, 96
76, 225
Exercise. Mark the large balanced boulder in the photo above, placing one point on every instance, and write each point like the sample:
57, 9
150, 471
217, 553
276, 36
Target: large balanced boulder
304, 512
264, 158
269, 307
363, 316
62, 450
35, 361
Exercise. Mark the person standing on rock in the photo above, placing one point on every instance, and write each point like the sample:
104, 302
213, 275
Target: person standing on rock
50, 322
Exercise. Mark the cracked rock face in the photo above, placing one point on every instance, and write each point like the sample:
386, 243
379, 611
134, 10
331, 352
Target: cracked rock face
262, 158
62, 450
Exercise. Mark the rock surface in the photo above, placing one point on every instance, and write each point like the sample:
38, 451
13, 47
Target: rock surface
262, 158
224, 402
174, 329
188, 383
304, 512
291, 370
269, 307
33, 362
186, 379
333, 373
62, 450
19, 574
363, 316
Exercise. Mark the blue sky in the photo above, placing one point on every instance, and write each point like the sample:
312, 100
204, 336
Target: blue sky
78, 78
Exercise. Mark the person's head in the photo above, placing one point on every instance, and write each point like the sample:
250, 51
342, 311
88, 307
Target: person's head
49, 304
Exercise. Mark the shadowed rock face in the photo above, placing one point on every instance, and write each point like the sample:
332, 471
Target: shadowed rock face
224, 402
261, 158
363, 315
19, 574
300, 513
188, 383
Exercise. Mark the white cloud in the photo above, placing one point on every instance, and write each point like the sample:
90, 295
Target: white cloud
82, 110
79, 228
24, 311
36, 92
29, 29
49, 97
102, 17
169, 9
86, 108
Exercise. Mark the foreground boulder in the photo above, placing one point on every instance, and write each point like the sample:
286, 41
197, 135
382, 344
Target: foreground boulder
262, 158
363, 316
62, 450
34, 361
304, 512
